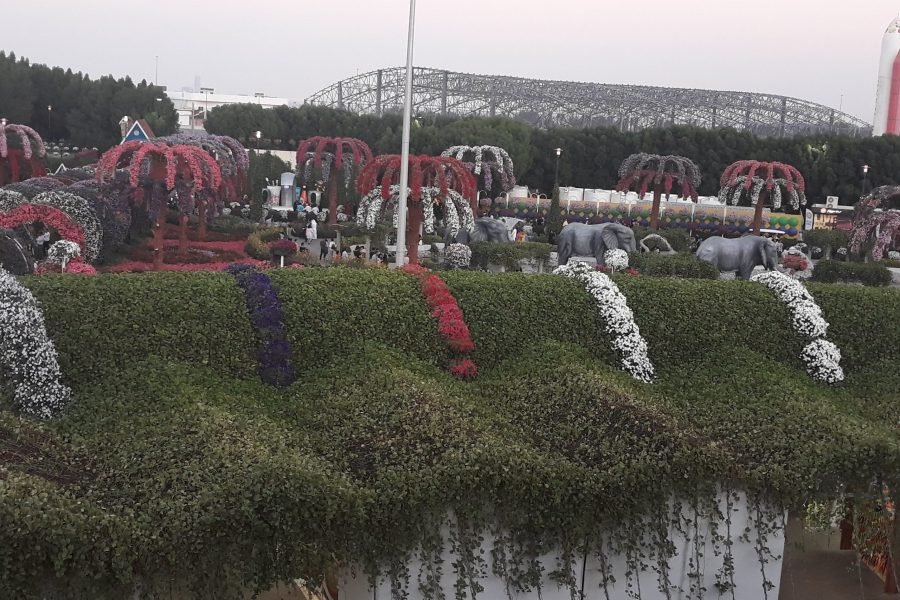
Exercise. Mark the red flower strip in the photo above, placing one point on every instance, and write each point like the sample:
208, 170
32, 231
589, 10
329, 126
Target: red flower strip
451, 321
49, 216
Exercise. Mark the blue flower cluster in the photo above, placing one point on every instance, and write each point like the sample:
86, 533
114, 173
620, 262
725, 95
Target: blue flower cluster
267, 317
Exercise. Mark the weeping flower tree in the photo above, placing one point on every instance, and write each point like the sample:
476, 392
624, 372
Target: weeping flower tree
756, 183
234, 164
17, 164
489, 165
872, 224
155, 170
433, 181
643, 173
336, 160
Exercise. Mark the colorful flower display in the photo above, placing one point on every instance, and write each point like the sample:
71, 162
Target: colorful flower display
451, 321
489, 161
659, 174
63, 251
741, 182
81, 212
822, 358
616, 260
27, 355
458, 214
867, 220
617, 317
327, 155
49, 216
459, 256
267, 317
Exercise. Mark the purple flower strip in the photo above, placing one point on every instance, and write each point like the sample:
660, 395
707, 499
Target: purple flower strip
267, 318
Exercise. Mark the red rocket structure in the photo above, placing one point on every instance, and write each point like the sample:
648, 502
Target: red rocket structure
887, 101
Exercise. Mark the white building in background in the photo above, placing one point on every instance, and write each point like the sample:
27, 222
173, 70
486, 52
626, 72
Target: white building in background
193, 106
887, 99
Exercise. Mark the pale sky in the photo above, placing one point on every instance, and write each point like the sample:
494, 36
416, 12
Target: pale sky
816, 50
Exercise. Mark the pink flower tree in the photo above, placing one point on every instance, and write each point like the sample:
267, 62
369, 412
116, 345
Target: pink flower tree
333, 159
439, 172
762, 183
156, 170
18, 164
876, 220
643, 173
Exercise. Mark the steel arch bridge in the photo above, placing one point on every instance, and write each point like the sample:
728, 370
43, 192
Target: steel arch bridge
548, 104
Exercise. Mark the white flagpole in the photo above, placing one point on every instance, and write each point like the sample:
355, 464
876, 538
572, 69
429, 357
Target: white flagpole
404, 151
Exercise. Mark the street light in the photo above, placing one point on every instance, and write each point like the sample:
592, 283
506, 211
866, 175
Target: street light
206, 92
865, 183
404, 147
49, 113
258, 135
556, 178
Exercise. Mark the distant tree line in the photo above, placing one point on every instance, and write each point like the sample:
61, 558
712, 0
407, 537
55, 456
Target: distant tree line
831, 164
85, 112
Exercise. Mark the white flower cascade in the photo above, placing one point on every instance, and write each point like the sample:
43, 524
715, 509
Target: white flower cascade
457, 211
822, 358
27, 355
63, 251
617, 317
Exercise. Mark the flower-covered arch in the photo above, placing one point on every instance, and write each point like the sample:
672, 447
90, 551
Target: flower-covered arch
871, 216
753, 182
81, 213
458, 214
54, 218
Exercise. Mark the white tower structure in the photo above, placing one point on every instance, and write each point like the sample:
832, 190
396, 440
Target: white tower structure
887, 101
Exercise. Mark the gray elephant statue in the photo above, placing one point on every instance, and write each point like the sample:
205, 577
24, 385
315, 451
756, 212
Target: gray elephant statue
742, 254
578, 239
494, 231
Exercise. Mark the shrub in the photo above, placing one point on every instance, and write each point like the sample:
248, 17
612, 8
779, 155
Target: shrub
685, 266
233, 225
870, 274
827, 239
509, 254
679, 239
258, 243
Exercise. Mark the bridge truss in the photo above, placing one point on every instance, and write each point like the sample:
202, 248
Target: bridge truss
548, 104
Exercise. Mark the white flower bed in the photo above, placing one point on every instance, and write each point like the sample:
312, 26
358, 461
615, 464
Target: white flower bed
893, 255
617, 317
63, 251
616, 260
822, 358
27, 355
458, 256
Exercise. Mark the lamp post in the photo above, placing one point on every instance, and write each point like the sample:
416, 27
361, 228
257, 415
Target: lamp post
49, 122
258, 135
404, 149
206, 92
865, 181
556, 177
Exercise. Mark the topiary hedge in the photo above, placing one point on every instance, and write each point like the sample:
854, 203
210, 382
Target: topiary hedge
509, 254
258, 242
685, 266
175, 468
679, 239
870, 274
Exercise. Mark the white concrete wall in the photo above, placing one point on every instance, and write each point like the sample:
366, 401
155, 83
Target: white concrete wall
748, 576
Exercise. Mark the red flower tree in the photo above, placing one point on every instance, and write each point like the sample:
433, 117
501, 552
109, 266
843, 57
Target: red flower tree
440, 172
18, 164
154, 170
340, 156
868, 219
763, 182
661, 174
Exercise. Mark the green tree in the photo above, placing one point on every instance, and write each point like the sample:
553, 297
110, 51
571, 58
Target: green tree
554, 217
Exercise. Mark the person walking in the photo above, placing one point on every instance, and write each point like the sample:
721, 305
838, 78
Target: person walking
323, 249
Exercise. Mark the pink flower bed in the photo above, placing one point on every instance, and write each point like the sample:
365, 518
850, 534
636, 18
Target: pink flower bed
233, 246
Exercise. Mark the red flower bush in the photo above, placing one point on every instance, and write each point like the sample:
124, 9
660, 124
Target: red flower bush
283, 247
51, 217
76, 267
794, 262
451, 321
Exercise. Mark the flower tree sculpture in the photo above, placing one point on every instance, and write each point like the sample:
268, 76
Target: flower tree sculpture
871, 224
645, 172
14, 162
457, 211
439, 172
154, 171
757, 182
328, 156
488, 164
233, 165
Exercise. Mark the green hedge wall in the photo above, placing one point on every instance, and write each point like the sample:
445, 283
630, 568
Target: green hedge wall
102, 324
870, 274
